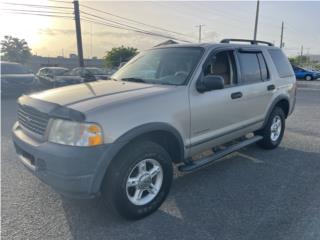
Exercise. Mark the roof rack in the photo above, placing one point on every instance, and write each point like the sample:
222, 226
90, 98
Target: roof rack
254, 42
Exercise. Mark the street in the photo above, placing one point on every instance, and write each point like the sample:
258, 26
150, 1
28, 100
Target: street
254, 194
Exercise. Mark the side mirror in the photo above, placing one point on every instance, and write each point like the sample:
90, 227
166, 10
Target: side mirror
209, 83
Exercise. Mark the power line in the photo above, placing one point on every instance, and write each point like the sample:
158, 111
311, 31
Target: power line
38, 14
58, 1
128, 29
135, 21
36, 5
132, 28
104, 19
36, 11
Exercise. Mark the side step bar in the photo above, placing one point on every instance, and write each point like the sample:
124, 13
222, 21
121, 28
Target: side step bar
195, 165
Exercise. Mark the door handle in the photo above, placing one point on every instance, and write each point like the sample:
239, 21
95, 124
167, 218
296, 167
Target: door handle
236, 95
271, 87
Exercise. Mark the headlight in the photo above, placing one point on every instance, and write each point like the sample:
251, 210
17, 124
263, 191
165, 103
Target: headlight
75, 133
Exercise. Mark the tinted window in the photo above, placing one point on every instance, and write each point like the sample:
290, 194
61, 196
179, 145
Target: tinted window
263, 67
250, 68
281, 62
13, 69
223, 64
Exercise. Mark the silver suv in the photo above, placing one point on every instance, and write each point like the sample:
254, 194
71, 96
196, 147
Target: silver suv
121, 137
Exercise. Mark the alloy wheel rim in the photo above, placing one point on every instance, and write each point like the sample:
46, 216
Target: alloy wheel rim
275, 128
144, 182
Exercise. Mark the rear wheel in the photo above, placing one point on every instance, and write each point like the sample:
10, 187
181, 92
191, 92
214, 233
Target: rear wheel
273, 131
138, 180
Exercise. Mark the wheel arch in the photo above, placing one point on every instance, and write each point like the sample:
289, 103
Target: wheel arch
280, 101
162, 133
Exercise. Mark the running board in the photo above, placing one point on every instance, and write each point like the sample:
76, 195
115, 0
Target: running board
195, 165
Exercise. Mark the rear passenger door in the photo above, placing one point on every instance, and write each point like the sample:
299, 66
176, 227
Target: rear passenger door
255, 84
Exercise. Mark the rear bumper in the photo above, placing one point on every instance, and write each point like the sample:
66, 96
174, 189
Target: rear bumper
73, 171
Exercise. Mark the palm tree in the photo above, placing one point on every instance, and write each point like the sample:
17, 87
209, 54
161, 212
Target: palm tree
15, 49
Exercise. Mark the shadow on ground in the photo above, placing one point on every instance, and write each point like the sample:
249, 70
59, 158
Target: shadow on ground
238, 198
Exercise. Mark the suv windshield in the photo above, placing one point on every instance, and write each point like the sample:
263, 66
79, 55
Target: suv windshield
13, 68
171, 66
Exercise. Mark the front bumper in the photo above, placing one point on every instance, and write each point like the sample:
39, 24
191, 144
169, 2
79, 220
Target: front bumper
70, 170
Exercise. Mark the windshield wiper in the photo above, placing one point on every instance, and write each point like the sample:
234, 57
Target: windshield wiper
114, 79
132, 79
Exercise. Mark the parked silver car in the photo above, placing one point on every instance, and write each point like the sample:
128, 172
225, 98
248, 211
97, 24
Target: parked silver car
16, 79
121, 137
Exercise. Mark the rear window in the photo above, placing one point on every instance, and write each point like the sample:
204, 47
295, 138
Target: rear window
281, 62
13, 69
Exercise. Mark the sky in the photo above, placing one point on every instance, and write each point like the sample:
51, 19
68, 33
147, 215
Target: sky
55, 36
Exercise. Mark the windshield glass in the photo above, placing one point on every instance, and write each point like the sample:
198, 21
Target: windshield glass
14, 69
95, 70
171, 66
59, 71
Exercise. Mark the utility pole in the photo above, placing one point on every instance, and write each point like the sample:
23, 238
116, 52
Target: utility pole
281, 38
301, 54
78, 32
256, 22
200, 31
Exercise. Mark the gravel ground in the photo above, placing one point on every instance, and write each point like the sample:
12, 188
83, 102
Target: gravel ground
255, 194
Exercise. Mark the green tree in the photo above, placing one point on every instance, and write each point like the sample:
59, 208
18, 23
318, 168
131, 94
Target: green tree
299, 60
118, 55
15, 49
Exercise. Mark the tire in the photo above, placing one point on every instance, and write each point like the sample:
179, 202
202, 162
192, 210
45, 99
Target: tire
271, 134
127, 166
308, 78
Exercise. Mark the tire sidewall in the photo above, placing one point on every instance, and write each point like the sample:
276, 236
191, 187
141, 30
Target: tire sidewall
276, 112
118, 179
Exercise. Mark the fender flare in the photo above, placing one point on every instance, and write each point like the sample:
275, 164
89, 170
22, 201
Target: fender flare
273, 104
114, 148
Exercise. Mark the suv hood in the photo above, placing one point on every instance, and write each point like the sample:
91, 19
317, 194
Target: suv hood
86, 96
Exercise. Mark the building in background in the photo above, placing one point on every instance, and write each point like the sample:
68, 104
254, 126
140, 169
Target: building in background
37, 62
314, 57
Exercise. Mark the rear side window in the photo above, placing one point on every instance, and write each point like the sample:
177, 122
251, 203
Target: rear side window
250, 68
263, 67
281, 62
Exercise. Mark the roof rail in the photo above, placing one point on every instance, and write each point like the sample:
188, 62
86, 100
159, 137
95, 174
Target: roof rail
256, 42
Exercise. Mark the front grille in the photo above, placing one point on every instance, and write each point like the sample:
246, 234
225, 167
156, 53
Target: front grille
32, 119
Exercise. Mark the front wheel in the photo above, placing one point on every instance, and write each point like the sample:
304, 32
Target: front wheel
308, 78
138, 180
273, 131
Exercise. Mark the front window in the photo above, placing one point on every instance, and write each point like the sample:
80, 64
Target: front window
172, 66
